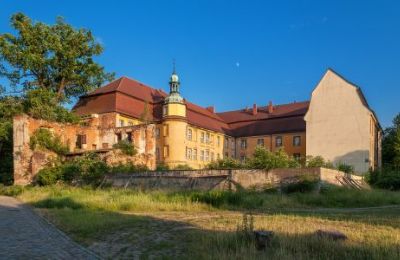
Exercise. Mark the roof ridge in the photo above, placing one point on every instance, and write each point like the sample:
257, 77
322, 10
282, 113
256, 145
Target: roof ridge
285, 104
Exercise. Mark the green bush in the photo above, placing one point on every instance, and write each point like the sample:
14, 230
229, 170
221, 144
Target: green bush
349, 169
128, 167
306, 183
387, 178
162, 167
264, 159
88, 168
49, 175
11, 190
125, 147
43, 138
226, 163
91, 168
183, 167
318, 162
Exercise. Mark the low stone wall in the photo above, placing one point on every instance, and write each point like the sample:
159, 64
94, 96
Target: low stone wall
211, 179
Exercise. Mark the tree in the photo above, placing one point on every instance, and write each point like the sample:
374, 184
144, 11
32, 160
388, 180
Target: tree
46, 65
56, 57
391, 145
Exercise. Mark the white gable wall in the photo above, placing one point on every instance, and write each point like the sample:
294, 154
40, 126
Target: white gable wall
338, 123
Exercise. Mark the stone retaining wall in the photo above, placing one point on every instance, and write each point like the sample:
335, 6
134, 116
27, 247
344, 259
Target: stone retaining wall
216, 179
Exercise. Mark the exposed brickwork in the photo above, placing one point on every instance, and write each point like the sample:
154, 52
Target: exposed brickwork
99, 131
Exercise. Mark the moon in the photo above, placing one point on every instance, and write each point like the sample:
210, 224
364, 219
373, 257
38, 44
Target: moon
237, 64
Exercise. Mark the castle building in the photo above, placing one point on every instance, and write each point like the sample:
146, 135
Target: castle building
337, 124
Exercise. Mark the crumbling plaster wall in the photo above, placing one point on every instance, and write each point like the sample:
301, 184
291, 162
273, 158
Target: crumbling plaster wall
100, 133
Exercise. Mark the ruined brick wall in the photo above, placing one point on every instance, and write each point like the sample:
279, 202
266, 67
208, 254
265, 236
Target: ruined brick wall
100, 132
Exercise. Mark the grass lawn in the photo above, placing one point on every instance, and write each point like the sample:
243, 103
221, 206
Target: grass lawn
198, 225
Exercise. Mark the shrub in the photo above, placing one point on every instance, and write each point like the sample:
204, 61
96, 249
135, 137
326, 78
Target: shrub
128, 167
317, 162
43, 138
49, 175
91, 168
349, 169
11, 190
126, 147
306, 183
387, 178
226, 163
264, 159
183, 167
88, 168
162, 167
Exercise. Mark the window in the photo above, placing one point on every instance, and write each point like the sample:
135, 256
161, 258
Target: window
189, 134
130, 123
157, 132
80, 141
194, 154
218, 141
296, 140
202, 137
202, 155
278, 141
212, 156
166, 151
119, 136
243, 143
218, 156
165, 130
165, 110
207, 157
207, 141
260, 142
188, 153
243, 158
226, 142
121, 122
158, 153
129, 137
296, 156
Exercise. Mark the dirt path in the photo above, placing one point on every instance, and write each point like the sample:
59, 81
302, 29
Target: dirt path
25, 235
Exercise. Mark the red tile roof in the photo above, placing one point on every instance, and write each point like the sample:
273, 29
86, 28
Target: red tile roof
128, 96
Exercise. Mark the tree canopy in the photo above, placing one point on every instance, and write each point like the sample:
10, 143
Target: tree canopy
391, 144
58, 58
46, 66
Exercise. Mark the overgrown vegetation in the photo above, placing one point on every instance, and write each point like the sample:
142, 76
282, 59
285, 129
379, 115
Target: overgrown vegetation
43, 138
206, 222
388, 177
87, 169
126, 147
183, 167
128, 167
318, 161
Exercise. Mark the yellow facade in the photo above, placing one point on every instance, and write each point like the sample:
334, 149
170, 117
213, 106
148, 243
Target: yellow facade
294, 144
122, 120
175, 109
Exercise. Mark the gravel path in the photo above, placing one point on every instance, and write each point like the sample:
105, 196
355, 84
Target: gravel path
25, 235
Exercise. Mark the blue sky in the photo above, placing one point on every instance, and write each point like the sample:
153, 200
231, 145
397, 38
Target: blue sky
232, 54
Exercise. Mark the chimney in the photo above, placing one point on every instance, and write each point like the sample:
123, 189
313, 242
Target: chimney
270, 107
254, 109
211, 109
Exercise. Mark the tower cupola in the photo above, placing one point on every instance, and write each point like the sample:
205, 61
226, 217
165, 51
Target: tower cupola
174, 83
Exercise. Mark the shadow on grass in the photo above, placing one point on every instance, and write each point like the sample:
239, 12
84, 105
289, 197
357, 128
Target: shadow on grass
127, 235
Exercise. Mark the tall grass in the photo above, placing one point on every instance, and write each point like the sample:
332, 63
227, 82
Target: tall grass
205, 223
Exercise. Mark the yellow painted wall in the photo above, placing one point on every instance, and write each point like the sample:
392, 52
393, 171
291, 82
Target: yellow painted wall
127, 120
269, 143
176, 109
